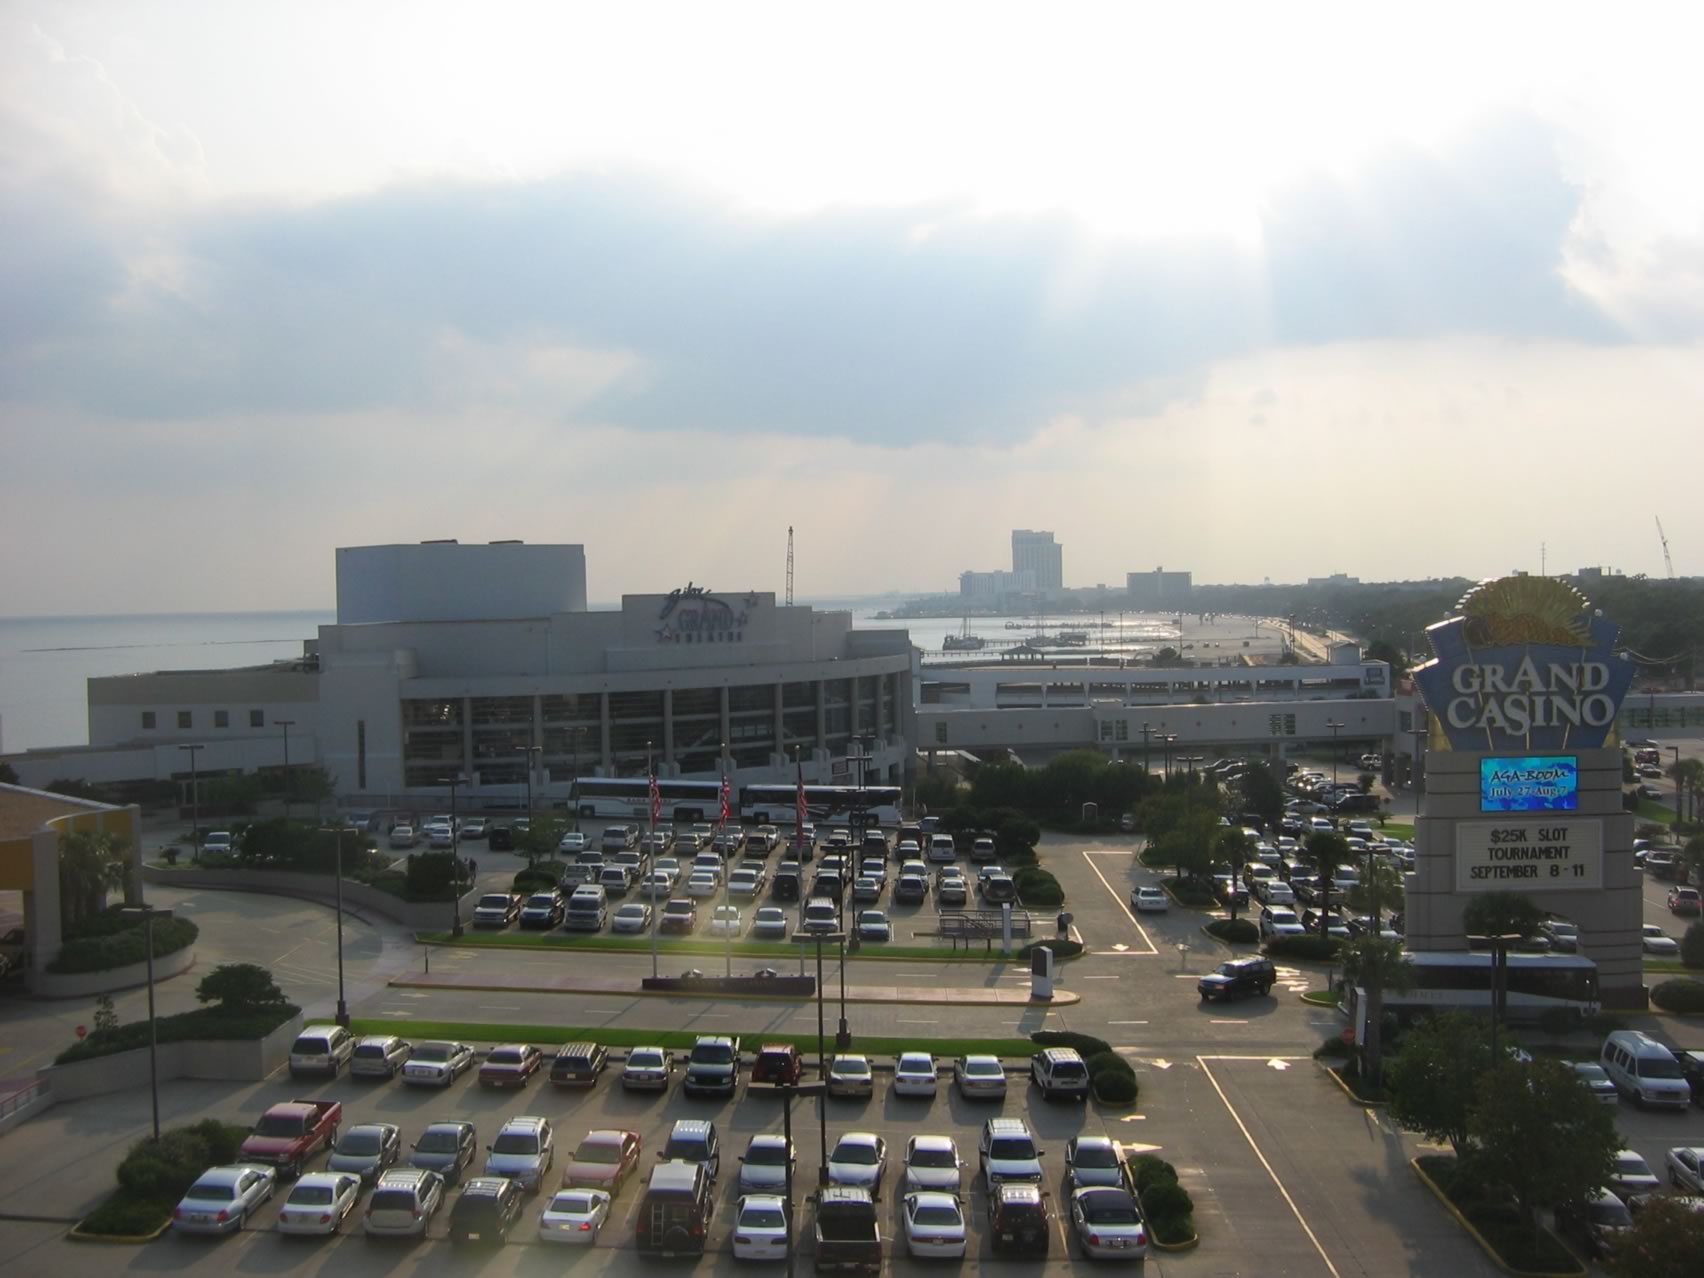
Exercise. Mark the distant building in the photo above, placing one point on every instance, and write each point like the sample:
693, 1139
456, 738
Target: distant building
991, 588
1159, 589
1037, 553
1336, 579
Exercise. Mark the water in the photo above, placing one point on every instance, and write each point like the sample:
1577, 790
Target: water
45, 662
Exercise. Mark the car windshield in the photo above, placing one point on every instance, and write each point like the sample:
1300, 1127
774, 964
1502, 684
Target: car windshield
645, 1060
712, 1054
1012, 1147
984, 1068
1096, 1156
1669, 1068
854, 1068
931, 1214
1631, 1165
204, 1191
572, 1204
310, 1196
515, 1143
766, 1155
1109, 1209
933, 1158
542, 901
691, 1149
856, 1153
916, 1065
391, 1200
504, 1056
597, 1151
432, 1052
762, 1218
439, 1141
1592, 1073
493, 903
630, 912
360, 1142
1614, 1215
278, 1125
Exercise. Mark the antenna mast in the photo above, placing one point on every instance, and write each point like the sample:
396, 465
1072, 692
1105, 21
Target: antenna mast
790, 565
1667, 562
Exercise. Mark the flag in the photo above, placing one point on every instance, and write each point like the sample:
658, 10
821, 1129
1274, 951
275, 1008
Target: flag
727, 801
656, 800
802, 812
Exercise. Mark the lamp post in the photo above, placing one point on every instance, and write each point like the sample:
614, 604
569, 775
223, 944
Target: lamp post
1145, 731
148, 913
455, 860
574, 771
1499, 982
788, 1092
532, 753
822, 1060
1335, 727
1166, 739
1678, 814
337, 879
194, 799
651, 842
286, 724
727, 896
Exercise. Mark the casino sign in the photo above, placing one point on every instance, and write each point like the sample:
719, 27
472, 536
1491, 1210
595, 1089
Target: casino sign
1524, 664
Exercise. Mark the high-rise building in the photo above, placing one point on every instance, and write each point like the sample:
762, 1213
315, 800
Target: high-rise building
994, 587
1039, 554
1159, 589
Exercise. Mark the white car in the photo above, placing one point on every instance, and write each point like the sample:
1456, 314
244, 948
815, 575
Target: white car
702, 884
1149, 900
635, 916
1275, 892
934, 1225
474, 828
760, 1227
914, 1075
1278, 921
1657, 941
765, 1162
851, 1076
573, 842
440, 836
403, 836
858, 1159
725, 920
1595, 1079
933, 1162
223, 1198
1685, 1165
982, 1077
404, 1202
574, 1216
437, 1064
318, 1203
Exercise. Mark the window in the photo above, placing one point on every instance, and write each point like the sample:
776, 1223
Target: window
147, 721
186, 718
941, 732
221, 718
257, 718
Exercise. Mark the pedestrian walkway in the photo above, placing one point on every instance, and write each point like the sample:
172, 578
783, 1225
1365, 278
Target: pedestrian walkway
545, 983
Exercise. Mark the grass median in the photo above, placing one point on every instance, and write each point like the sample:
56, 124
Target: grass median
612, 1036
703, 947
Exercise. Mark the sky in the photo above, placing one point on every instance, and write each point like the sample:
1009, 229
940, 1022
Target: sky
1262, 292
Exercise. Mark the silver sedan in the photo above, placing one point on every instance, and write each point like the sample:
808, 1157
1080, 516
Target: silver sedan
223, 1198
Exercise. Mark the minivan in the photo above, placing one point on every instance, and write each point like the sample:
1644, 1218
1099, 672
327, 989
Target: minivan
1644, 1069
587, 909
674, 1215
1060, 1071
618, 838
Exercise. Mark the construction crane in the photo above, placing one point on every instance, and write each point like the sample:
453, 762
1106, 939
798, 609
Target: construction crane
1668, 563
790, 566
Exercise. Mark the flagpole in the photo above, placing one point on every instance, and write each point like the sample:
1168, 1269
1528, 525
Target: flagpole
651, 809
727, 898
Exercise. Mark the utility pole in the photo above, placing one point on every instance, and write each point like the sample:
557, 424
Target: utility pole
194, 801
286, 724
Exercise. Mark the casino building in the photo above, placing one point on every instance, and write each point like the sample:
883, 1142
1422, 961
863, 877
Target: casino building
472, 661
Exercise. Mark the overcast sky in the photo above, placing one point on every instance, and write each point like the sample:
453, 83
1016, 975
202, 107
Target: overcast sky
1268, 294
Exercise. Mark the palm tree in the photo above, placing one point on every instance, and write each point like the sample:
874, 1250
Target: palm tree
1378, 891
1499, 914
1688, 778
1376, 965
90, 866
1328, 852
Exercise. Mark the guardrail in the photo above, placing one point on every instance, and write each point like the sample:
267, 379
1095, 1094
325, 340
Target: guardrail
983, 925
19, 1096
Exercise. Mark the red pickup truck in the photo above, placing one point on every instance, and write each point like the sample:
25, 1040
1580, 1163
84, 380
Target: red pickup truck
291, 1132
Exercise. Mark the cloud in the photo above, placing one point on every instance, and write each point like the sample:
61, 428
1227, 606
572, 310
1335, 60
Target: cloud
679, 312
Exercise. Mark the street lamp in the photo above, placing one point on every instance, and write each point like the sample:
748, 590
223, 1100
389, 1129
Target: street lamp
1499, 981
822, 1058
455, 859
651, 842
194, 797
532, 753
727, 896
148, 913
286, 724
788, 1092
337, 879
1335, 727
1145, 731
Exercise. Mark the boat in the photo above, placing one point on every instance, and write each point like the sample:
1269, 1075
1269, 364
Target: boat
964, 641
1073, 638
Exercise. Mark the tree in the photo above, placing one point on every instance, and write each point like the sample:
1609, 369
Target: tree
1378, 891
1666, 1241
1692, 856
1385, 650
1376, 965
1328, 852
90, 866
542, 836
1431, 1080
1232, 849
1166, 657
8, 774
1188, 844
1688, 777
240, 989
1537, 1131
1262, 793
1502, 914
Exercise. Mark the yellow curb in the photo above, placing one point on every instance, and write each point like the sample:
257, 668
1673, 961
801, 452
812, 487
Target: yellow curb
1350, 1091
76, 1234
1318, 998
1188, 1244
1485, 1246
945, 998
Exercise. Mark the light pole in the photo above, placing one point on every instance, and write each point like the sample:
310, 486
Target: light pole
1419, 778
286, 724
1145, 732
337, 879
148, 913
651, 842
1499, 981
532, 753
822, 1060
727, 897
788, 1092
574, 773
455, 860
194, 798
1335, 727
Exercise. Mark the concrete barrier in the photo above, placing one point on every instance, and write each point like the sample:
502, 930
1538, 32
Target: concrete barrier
82, 984
733, 986
359, 898
243, 1060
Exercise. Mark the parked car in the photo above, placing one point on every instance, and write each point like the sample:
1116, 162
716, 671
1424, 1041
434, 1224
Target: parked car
1006, 1152
1018, 1220
694, 1140
379, 1056
678, 916
1108, 1223
291, 1132
367, 1150
437, 1064
777, 1065
980, 1077
859, 1159
647, 1069
713, 1067
496, 909
575, 1217
578, 1064
934, 1225
604, 1159
850, 1075
510, 1065
1685, 1165
932, 1162
404, 1202
848, 1230
1597, 1081
769, 923
1060, 1071
766, 1162
319, 1203
630, 918
1658, 942
1631, 1177
223, 1198
1094, 1161
485, 1211
321, 1049
873, 925
1684, 900
760, 1227
914, 1075
1149, 900
447, 1148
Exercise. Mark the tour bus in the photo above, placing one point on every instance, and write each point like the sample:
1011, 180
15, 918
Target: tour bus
629, 799
1462, 979
825, 804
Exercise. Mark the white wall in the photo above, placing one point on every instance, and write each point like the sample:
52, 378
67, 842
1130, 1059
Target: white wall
449, 582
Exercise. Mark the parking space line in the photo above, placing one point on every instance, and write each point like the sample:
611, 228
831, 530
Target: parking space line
1237, 1119
1141, 931
1127, 1022
1227, 1022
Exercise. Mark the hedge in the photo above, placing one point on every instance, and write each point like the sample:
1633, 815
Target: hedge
1109, 1062
1114, 1088
1680, 995
100, 953
155, 1174
1319, 948
1061, 949
1692, 945
1087, 1045
1240, 931
1495, 1216
203, 1023
1038, 888
1190, 893
1166, 1205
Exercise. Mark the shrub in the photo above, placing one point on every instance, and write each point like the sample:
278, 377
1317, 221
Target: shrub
1087, 1045
102, 952
1109, 1063
125, 1215
1692, 945
1603, 1024
1239, 931
1680, 995
1038, 888
1061, 949
1114, 1088
530, 881
1190, 892
1321, 949
204, 1023
1167, 1200
1148, 1170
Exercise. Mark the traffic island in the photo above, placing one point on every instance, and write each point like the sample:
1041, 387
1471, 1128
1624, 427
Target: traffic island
1495, 1225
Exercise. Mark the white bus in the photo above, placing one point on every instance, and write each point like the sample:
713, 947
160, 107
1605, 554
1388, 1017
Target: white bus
826, 804
1462, 979
629, 799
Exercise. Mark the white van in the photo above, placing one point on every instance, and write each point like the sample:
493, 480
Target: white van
587, 909
1644, 1069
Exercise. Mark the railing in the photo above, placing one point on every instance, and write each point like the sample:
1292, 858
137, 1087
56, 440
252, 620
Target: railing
982, 925
21, 1095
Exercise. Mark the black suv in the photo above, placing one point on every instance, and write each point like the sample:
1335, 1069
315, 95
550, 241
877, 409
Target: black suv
1237, 978
1017, 1220
485, 1210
